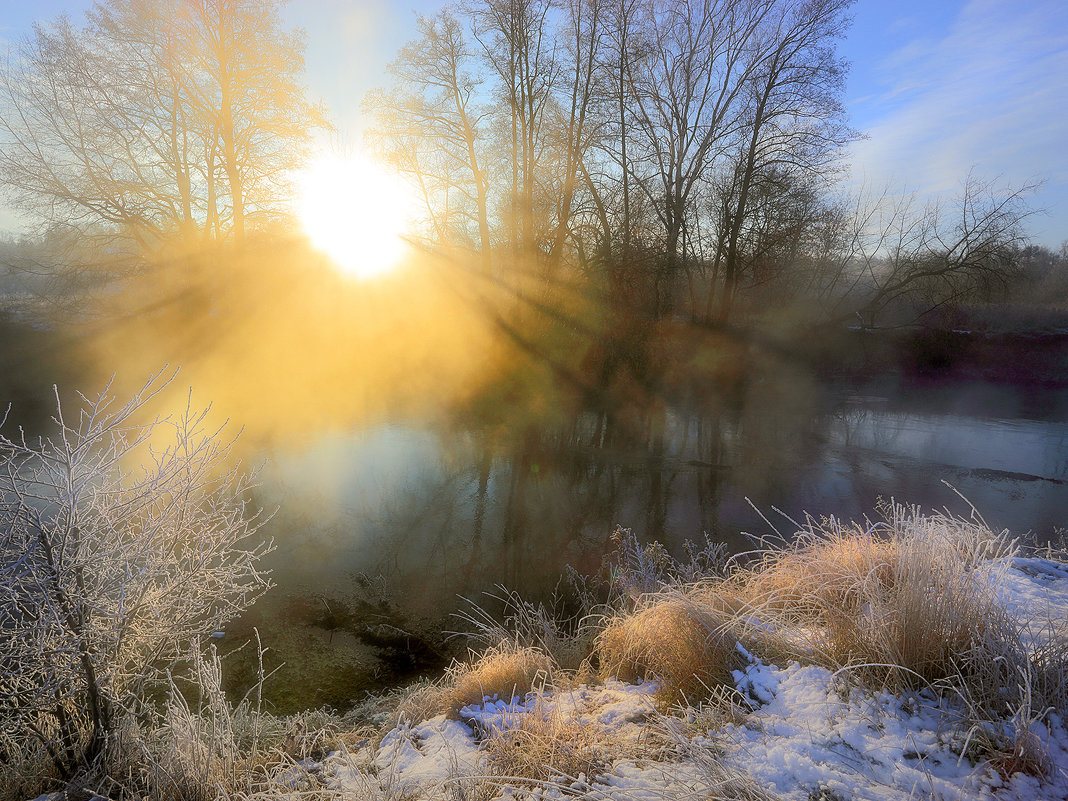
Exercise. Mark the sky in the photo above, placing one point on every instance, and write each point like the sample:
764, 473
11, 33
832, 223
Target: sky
940, 88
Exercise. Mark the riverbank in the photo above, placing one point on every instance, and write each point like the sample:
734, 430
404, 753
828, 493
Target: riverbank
874, 680
1037, 357
920, 656
418, 513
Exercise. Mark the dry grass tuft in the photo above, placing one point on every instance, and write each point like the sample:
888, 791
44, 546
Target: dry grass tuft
1025, 754
421, 703
720, 782
684, 642
193, 758
542, 743
206, 750
933, 621
505, 672
1046, 674
724, 706
829, 570
715, 780
24, 772
902, 600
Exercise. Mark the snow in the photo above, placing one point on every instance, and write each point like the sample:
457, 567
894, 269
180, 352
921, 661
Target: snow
615, 706
808, 734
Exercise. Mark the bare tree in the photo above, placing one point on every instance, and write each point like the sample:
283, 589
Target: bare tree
894, 251
791, 120
699, 57
79, 148
518, 45
650, 140
155, 119
430, 125
109, 571
244, 84
571, 131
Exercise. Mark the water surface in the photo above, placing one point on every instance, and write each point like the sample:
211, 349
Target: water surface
381, 530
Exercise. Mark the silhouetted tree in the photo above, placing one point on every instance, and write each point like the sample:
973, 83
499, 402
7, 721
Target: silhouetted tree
792, 121
572, 128
519, 47
699, 57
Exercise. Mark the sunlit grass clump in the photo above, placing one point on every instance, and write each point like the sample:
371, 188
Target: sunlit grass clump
683, 642
907, 603
911, 599
503, 672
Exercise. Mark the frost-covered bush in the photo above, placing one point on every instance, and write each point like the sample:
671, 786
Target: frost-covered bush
634, 569
121, 546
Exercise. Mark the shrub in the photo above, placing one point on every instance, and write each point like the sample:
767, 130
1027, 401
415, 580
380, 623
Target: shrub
633, 569
566, 639
110, 572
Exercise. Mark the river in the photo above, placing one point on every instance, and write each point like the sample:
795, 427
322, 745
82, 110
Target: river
381, 530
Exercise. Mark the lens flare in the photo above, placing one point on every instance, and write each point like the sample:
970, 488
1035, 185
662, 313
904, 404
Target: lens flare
355, 211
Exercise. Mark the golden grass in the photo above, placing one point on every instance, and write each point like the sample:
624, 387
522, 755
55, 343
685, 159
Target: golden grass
908, 602
929, 622
830, 573
23, 773
903, 600
420, 703
542, 743
681, 641
505, 672
568, 643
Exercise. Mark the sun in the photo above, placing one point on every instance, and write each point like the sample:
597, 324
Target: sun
355, 211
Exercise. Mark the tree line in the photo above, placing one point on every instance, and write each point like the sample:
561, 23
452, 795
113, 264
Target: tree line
685, 152
681, 156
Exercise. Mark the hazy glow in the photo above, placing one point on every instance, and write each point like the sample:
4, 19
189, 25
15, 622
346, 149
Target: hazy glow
355, 211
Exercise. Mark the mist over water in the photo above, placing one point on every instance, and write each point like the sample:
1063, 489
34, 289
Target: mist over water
387, 527
410, 498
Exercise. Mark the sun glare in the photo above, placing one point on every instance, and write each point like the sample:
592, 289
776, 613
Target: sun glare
355, 211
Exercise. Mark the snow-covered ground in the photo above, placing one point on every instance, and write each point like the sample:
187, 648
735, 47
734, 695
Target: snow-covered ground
805, 734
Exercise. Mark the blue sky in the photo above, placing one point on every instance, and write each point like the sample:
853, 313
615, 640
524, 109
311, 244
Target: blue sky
940, 88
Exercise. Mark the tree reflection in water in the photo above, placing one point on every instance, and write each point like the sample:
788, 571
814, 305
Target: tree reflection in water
455, 507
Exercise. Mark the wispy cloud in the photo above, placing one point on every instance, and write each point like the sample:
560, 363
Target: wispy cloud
989, 94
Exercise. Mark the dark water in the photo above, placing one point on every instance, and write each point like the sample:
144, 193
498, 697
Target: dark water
380, 530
